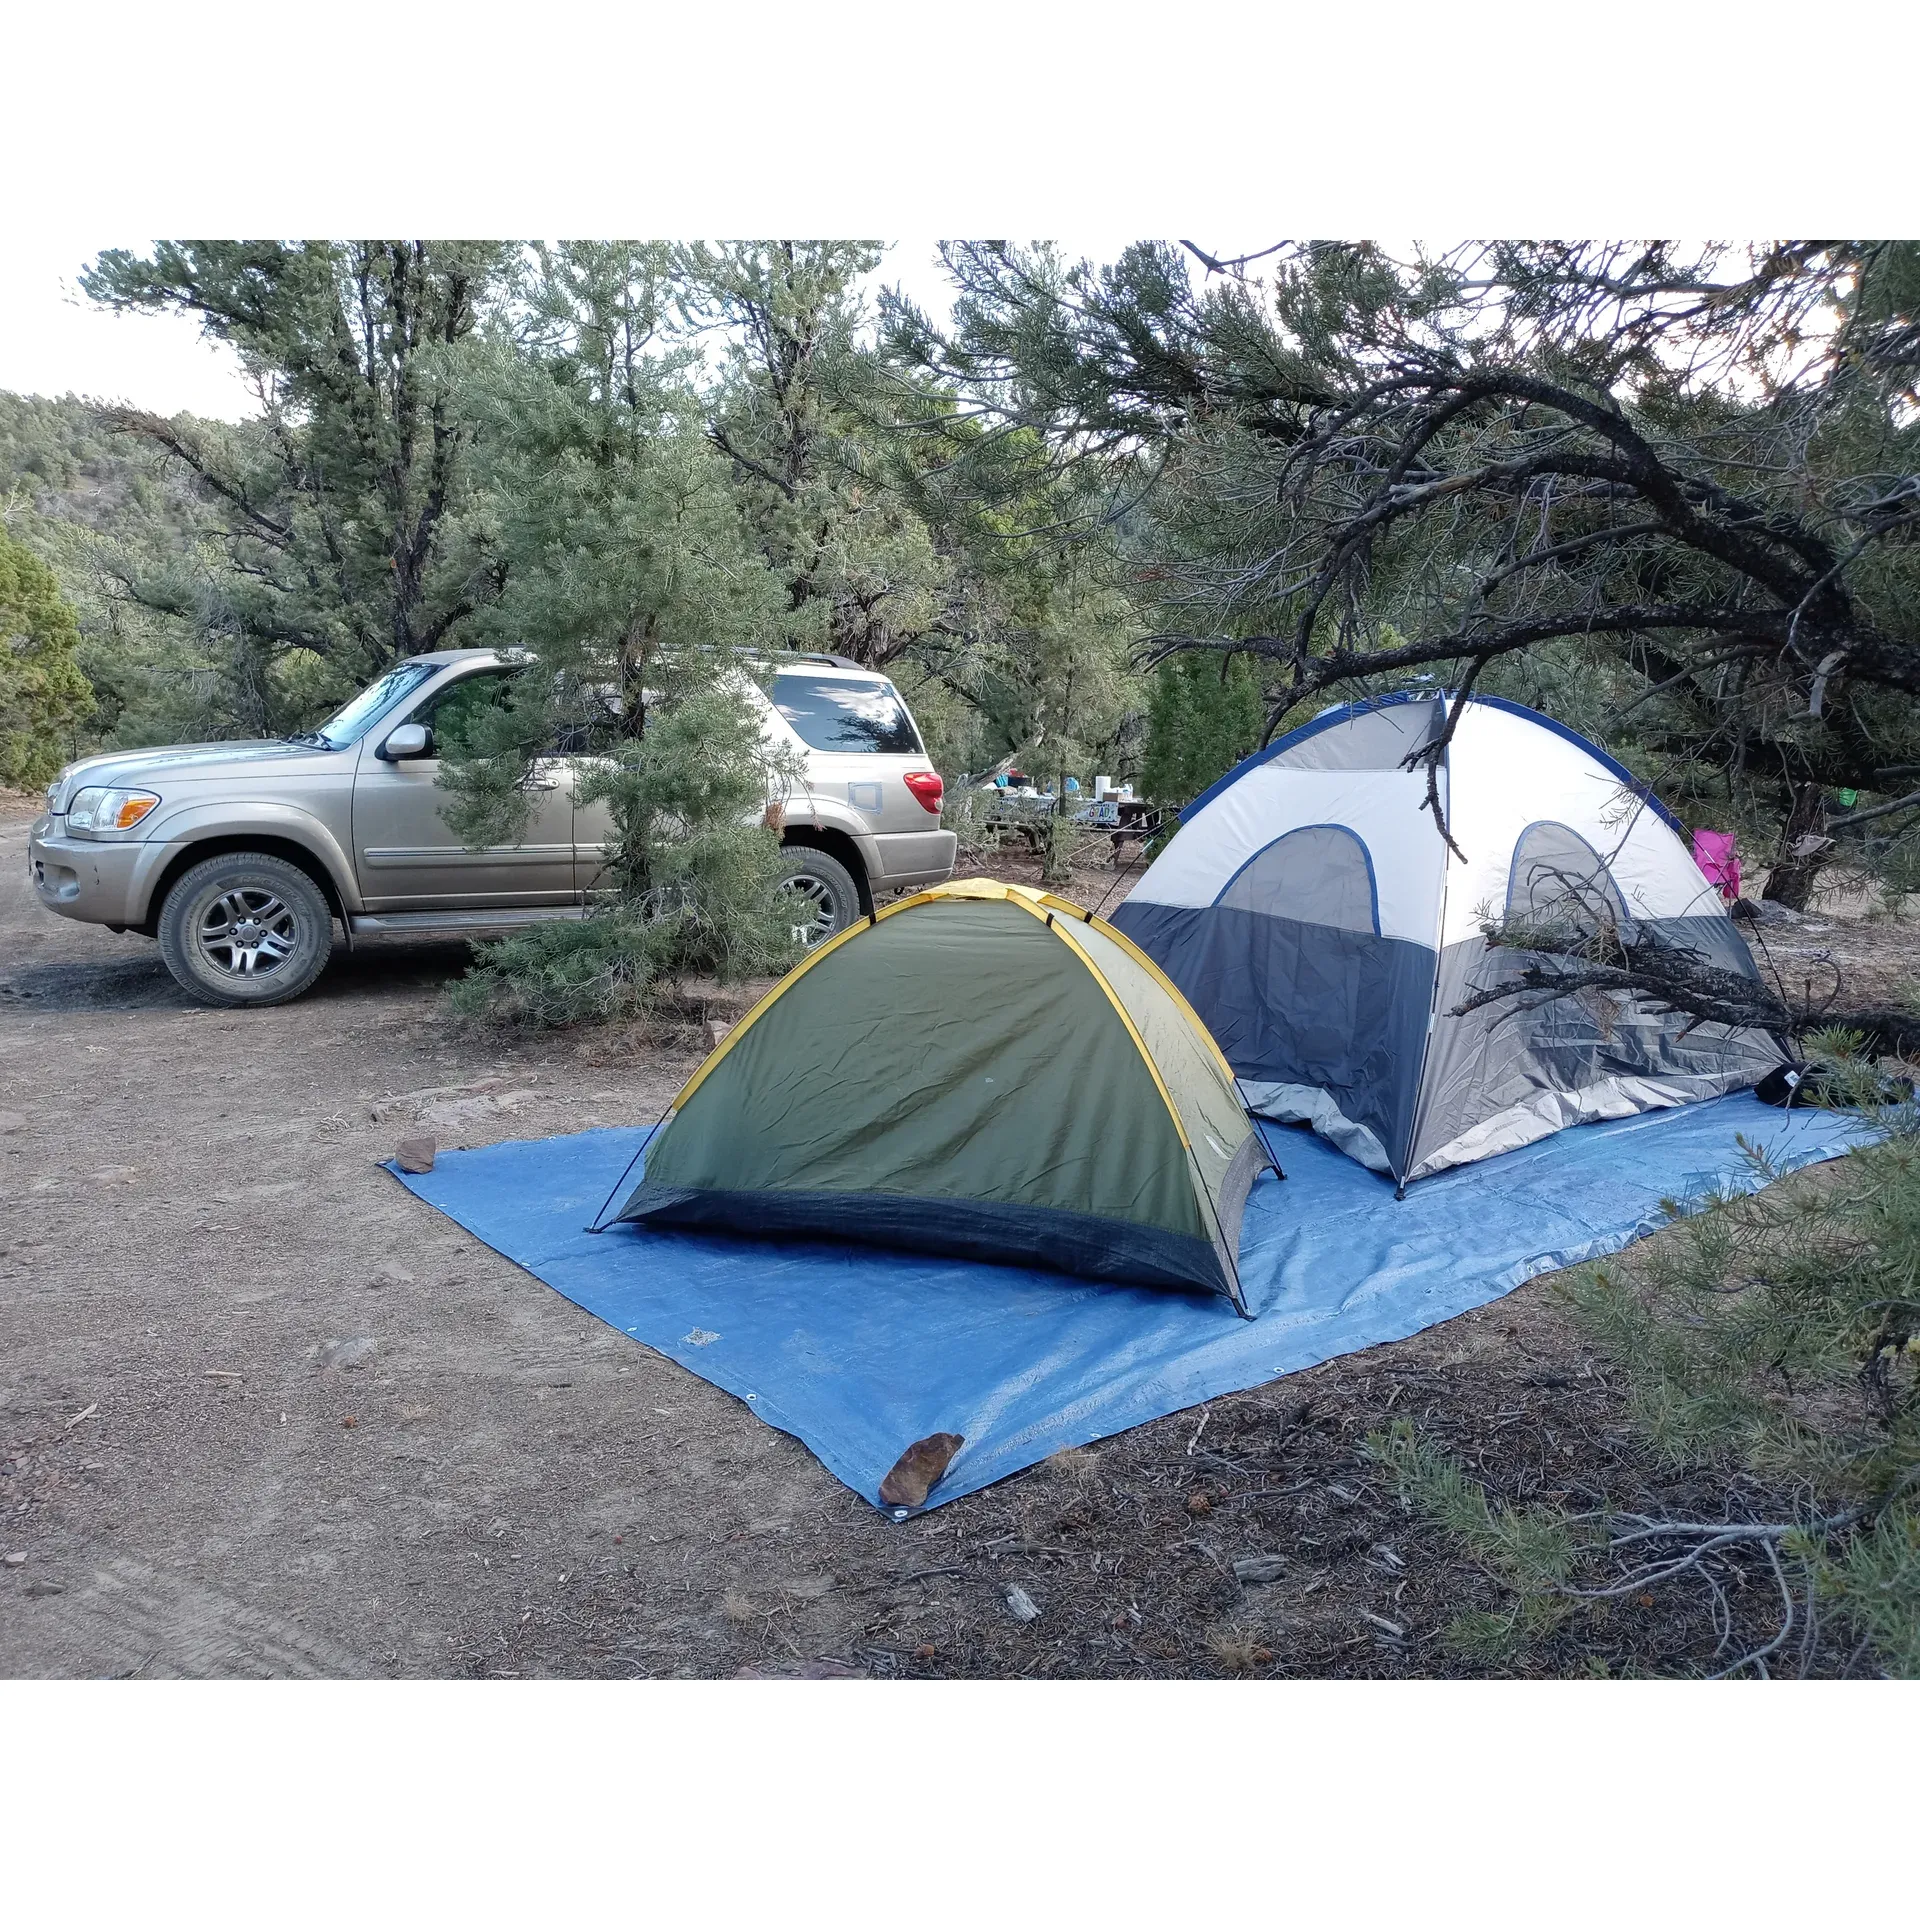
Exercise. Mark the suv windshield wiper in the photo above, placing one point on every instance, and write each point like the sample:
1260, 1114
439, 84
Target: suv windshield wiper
314, 739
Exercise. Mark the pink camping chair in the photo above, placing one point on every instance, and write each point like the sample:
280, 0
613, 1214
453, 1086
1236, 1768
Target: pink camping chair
1714, 852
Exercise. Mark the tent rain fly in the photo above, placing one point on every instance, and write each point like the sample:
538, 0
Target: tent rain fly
980, 1070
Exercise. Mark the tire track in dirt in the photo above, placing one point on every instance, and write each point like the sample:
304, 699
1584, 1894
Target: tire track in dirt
136, 1620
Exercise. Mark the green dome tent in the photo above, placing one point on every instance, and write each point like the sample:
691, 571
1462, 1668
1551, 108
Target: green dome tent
978, 1070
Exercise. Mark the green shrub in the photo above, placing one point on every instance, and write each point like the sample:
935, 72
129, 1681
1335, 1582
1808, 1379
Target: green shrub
1772, 1338
1202, 719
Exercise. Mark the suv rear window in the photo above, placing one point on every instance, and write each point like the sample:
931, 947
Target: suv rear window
844, 716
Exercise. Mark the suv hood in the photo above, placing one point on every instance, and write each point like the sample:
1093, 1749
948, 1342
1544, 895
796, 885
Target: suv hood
209, 759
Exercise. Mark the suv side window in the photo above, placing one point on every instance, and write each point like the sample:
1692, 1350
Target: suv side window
588, 720
453, 715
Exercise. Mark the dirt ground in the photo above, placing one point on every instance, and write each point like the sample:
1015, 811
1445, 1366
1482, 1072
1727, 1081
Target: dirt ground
262, 1413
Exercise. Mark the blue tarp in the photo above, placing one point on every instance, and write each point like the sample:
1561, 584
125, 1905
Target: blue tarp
859, 1352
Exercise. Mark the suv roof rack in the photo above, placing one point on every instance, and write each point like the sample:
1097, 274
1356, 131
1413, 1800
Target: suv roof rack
777, 657
832, 660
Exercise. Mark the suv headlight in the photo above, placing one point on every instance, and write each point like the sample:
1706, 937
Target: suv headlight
108, 809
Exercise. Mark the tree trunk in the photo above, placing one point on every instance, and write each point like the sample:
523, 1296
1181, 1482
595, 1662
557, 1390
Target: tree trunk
1804, 850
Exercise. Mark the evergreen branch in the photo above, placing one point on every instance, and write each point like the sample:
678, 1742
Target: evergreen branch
164, 434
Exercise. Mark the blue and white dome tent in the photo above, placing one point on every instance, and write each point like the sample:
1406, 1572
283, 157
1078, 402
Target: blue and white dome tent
1313, 915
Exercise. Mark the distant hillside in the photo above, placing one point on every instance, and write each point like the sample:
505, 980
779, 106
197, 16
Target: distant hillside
98, 506
57, 460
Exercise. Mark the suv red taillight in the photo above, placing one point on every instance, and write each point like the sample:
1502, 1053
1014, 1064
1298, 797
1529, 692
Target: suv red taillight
927, 789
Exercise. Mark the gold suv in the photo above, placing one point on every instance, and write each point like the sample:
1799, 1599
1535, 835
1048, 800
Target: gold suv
241, 858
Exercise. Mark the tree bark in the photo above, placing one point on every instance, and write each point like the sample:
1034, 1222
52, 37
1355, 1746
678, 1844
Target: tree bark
1791, 882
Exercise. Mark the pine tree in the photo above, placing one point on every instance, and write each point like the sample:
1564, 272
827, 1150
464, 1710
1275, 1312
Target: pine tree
1690, 470
345, 507
1771, 1343
815, 434
637, 593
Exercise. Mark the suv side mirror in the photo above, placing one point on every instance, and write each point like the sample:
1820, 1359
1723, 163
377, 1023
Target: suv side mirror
409, 742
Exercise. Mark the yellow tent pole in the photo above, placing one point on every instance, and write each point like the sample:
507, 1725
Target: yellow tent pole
930, 896
1059, 929
1153, 969
1046, 907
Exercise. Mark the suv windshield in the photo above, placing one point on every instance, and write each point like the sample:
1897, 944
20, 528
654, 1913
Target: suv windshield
844, 716
365, 708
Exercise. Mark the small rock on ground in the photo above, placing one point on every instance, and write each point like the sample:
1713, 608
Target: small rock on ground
415, 1154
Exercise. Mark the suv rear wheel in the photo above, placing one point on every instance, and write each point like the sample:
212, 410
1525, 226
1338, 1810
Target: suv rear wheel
821, 897
245, 930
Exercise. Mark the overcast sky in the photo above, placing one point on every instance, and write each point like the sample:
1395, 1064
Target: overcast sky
54, 340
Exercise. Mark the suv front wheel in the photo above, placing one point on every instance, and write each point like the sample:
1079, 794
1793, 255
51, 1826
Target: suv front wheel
821, 897
245, 930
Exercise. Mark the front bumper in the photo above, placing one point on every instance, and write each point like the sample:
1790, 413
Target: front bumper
96, 880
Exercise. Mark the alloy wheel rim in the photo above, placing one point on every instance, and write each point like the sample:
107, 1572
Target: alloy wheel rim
809, 890
248, 931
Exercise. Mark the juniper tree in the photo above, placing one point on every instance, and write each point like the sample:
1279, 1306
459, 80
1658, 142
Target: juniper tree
796, 410
1204, 716
1774, 1342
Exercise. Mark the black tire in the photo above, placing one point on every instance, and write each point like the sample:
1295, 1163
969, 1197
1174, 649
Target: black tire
818, 880
245, 930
